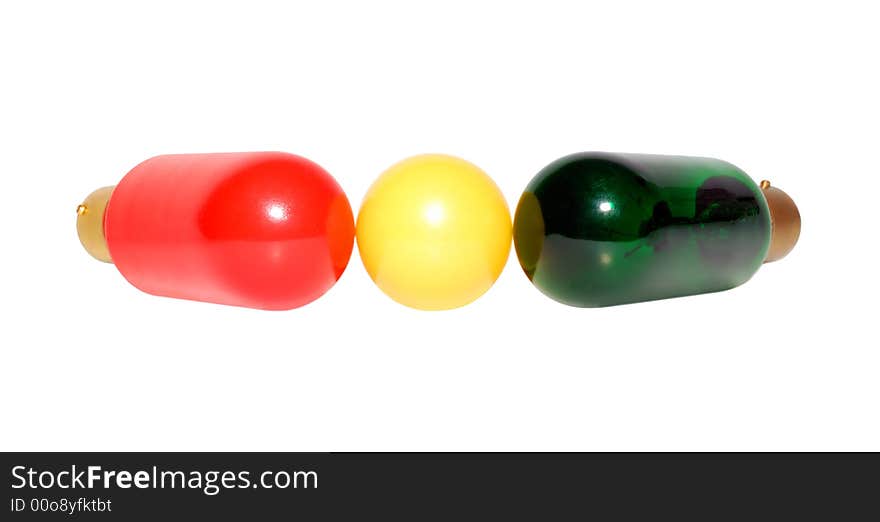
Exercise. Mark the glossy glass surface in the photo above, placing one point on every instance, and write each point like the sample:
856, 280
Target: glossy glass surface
594, 229
264, 230
434, 232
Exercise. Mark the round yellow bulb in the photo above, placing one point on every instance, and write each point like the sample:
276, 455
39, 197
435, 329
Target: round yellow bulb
434, 232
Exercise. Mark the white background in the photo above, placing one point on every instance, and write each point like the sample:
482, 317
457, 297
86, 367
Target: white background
786, 90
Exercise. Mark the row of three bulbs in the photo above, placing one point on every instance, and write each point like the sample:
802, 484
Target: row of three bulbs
275, 231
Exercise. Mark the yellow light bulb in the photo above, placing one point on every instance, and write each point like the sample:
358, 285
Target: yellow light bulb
434, 232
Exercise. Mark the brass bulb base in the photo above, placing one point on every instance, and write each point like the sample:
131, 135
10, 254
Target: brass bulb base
90, 224
785, 221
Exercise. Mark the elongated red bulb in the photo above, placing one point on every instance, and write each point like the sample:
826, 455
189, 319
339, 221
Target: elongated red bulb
263, 230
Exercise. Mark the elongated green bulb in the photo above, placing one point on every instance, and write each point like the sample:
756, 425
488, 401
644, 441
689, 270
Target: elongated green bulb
596, 229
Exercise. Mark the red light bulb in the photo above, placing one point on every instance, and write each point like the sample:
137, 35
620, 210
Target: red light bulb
263, 230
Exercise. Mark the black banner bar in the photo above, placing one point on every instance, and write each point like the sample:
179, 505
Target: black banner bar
416, 486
